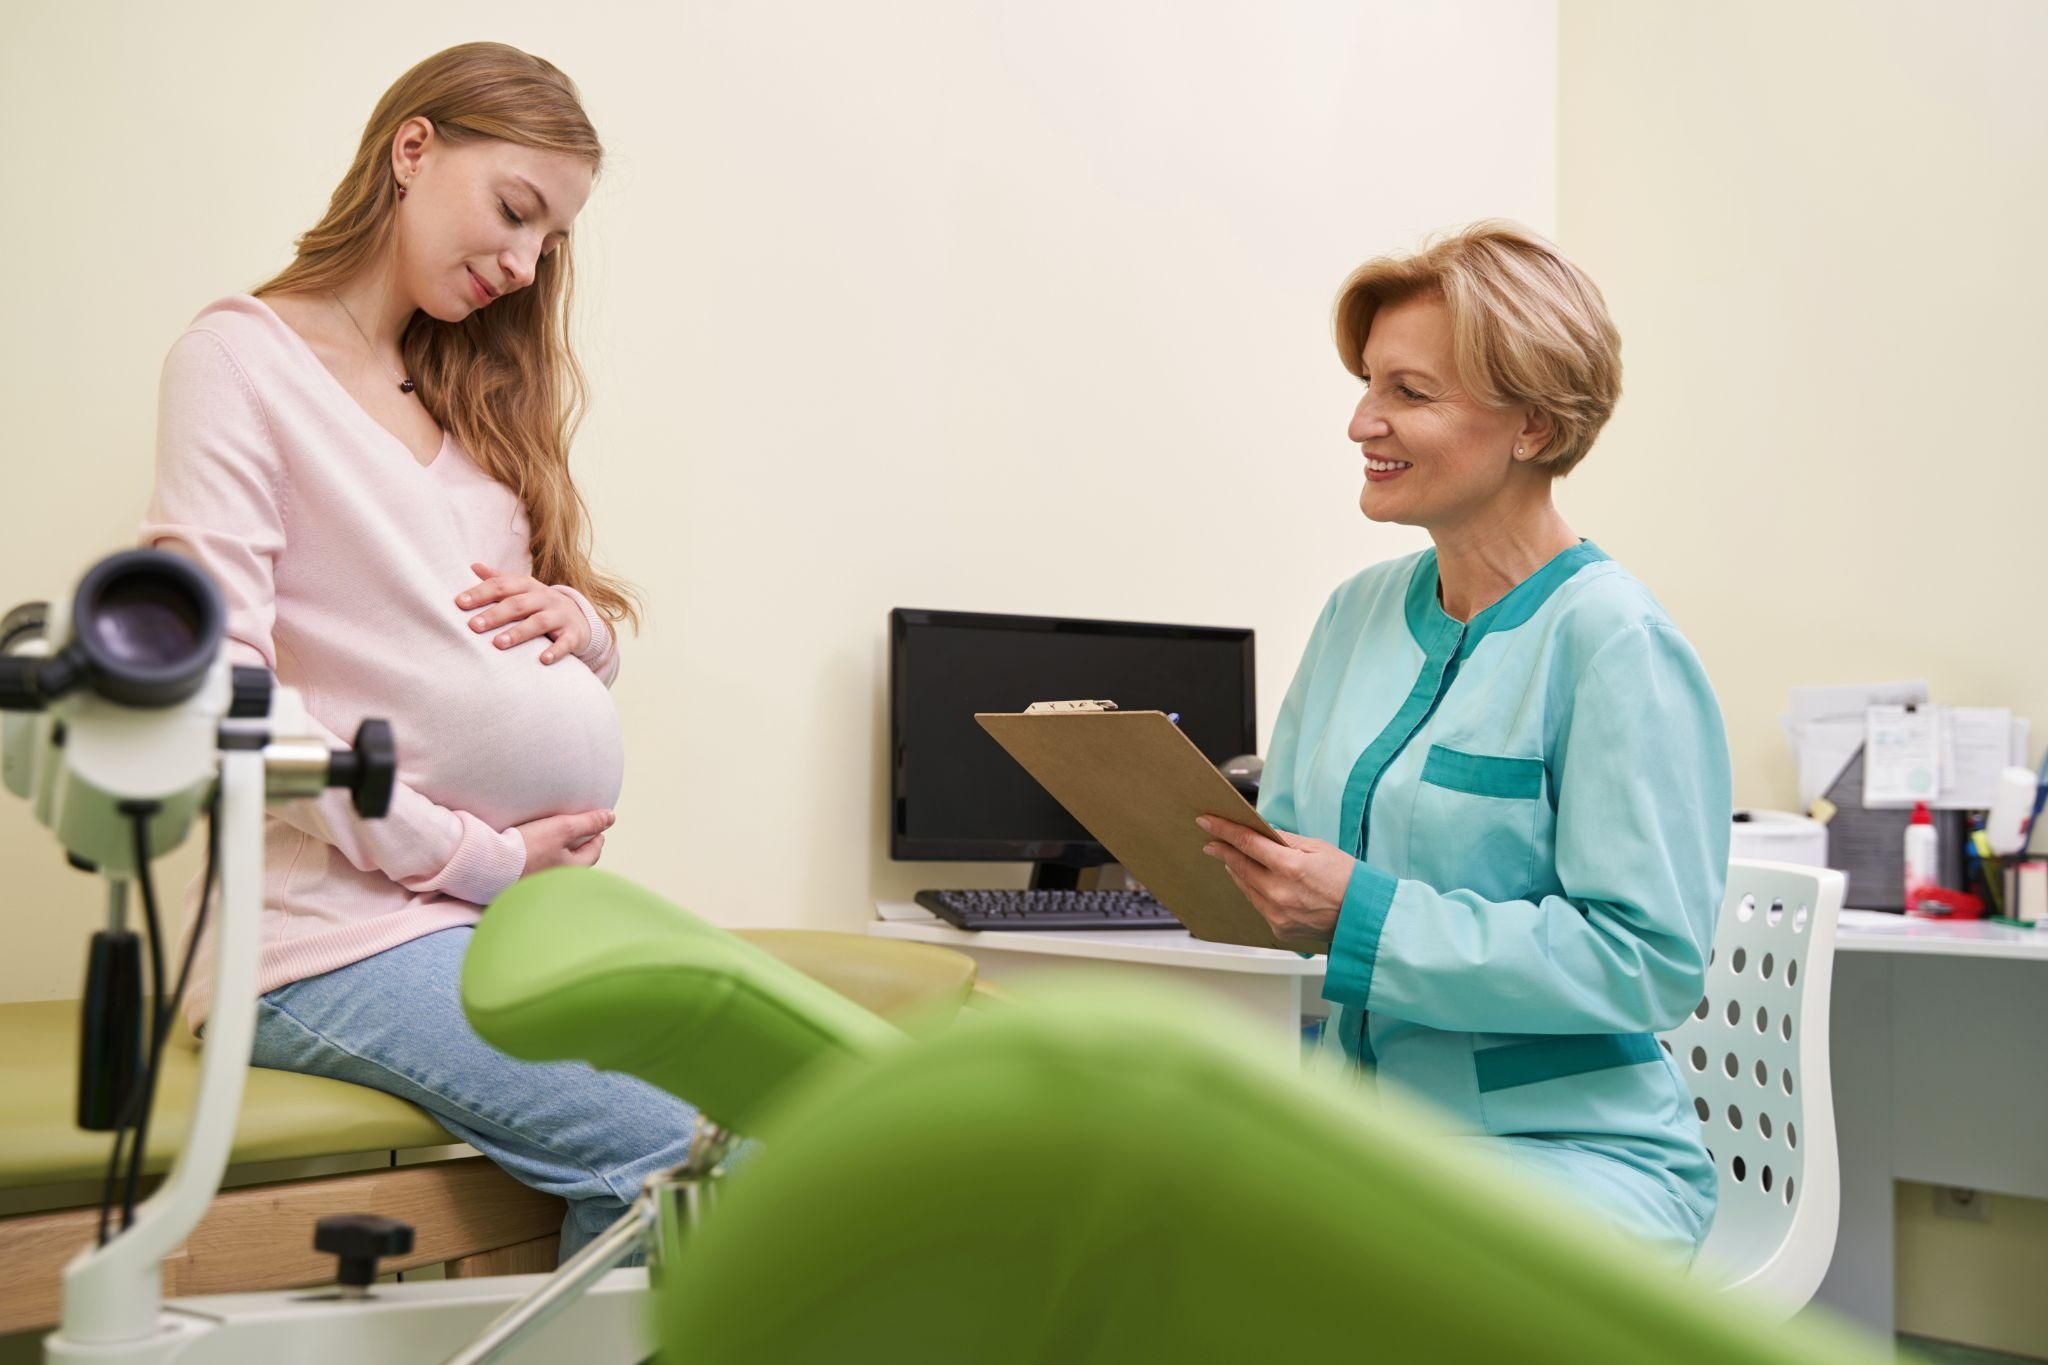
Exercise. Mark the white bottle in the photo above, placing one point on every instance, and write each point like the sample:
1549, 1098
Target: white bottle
2006, 823
1920, 854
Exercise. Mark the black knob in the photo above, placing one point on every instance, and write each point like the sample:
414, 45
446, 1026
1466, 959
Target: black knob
252, 693
110, 1029
18, 690
359, 1239
368, 770
28, 683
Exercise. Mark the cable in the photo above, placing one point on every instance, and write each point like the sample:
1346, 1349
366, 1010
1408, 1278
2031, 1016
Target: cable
167, 1010
123, 1103
135, 1111
108, 1185
142, 1095
146, 1090
205, 896
136, 1104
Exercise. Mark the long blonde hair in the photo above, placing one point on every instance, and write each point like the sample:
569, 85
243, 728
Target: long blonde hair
504, 379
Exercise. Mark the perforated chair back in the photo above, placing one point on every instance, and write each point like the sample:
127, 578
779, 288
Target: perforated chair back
1755, 1052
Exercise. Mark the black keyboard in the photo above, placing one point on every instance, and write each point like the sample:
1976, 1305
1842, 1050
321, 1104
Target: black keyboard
1048, 909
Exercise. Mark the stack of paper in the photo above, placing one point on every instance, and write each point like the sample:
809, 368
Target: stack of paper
1948, 756
1827, 725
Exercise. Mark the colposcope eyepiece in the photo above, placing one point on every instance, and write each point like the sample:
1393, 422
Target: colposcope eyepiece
146, 625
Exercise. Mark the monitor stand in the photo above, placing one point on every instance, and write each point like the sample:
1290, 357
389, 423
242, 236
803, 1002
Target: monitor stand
1060, 876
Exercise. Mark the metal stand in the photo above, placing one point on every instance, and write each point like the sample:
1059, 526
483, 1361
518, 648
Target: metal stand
114, 1310
113, 1294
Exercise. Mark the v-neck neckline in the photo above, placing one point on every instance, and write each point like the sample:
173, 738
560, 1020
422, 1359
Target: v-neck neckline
307, 352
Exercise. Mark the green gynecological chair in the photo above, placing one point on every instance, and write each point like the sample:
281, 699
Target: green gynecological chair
1077, 1179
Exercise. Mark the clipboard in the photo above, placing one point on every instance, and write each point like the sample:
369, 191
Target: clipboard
1136, 783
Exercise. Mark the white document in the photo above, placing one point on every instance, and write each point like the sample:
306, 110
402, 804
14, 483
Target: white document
1977, 744
1826, 726
1902, 751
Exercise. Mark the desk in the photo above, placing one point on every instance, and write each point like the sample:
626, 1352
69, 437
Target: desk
1276, 988
1938, 1034
1936, 1046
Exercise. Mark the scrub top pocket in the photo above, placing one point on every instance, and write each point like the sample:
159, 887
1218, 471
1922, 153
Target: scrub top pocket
1475, 823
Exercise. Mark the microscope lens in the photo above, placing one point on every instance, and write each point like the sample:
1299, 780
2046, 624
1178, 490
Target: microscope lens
148, 623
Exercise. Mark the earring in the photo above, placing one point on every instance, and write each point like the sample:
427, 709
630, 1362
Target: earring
1518, 450
401, 189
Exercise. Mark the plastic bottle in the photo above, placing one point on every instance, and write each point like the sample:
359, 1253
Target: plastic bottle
2006, 823
1920, 854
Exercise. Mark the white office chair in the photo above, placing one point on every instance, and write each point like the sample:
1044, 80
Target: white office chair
1756, 1055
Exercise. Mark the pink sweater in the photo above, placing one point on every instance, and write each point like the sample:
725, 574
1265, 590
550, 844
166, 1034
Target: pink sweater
340, 556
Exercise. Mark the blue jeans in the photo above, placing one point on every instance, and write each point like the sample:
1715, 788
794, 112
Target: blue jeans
394, 1022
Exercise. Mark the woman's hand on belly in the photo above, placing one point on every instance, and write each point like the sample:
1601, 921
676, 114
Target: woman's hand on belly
1297, 885
528, 609
565, 840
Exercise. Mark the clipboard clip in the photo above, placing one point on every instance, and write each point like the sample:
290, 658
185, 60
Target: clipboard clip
1039, 708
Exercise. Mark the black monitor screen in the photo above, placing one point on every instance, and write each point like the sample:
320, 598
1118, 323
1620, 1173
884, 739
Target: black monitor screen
956, 794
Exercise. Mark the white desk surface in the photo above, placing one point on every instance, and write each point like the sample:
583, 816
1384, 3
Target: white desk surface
1859, 931
1155, 947
1880, 931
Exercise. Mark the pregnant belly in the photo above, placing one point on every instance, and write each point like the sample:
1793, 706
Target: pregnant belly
511, 740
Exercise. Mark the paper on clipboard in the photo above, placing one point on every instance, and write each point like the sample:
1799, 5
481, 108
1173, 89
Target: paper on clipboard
1136, 783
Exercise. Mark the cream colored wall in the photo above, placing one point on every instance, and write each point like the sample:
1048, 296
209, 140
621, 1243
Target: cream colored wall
1818, 227
1011, 307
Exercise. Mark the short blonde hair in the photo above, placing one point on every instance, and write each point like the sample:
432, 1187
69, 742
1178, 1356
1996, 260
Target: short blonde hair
1527, 326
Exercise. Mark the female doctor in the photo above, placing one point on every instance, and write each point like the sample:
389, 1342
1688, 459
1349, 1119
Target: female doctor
1501, 769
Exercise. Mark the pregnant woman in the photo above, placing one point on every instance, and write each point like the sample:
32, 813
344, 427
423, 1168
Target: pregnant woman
370, 456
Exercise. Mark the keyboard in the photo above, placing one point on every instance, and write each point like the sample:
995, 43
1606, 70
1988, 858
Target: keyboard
1048, 909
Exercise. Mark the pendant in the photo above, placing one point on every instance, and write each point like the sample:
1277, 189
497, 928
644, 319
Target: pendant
405, 386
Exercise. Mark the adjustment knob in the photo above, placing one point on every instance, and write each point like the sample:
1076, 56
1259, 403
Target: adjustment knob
18, 690
252, 693
368, 770
359, 1239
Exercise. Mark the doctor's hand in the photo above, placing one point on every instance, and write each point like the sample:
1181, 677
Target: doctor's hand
564, 840
1297, 885
527, 608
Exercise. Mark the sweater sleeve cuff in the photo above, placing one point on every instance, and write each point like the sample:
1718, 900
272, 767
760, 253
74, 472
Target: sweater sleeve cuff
1355, 946
486, 861
601, 654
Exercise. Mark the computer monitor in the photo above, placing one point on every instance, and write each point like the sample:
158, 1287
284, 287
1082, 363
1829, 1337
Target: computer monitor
956, 795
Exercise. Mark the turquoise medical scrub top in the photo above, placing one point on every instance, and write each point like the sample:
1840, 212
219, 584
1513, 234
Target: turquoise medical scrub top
1539, 802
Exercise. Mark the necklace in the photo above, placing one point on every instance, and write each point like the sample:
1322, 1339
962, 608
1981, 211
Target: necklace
404, 385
